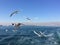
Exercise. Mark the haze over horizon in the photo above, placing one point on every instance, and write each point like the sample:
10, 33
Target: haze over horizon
37, 10
35, 23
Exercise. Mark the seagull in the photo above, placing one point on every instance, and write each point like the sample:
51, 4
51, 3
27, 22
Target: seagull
16, 26
41, 34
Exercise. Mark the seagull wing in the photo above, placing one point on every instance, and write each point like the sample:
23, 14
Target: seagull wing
49, 35
37, 33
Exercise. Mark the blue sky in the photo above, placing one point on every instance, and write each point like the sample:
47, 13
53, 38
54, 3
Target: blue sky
37, 10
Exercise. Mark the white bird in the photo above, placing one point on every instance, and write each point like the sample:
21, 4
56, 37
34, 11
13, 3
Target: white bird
16, 26
42, 34
37, 33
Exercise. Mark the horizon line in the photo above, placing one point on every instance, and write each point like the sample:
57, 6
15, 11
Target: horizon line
34, 23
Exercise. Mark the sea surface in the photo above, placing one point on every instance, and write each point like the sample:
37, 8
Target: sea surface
24, 35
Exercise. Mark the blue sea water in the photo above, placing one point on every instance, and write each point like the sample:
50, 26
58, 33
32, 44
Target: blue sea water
24, 35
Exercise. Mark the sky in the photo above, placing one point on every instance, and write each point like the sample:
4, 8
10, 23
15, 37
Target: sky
36, 10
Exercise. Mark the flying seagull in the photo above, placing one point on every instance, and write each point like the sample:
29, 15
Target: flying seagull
28, 18
41, 34
13, 13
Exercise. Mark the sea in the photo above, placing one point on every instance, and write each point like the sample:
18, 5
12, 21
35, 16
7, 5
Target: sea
24, 35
